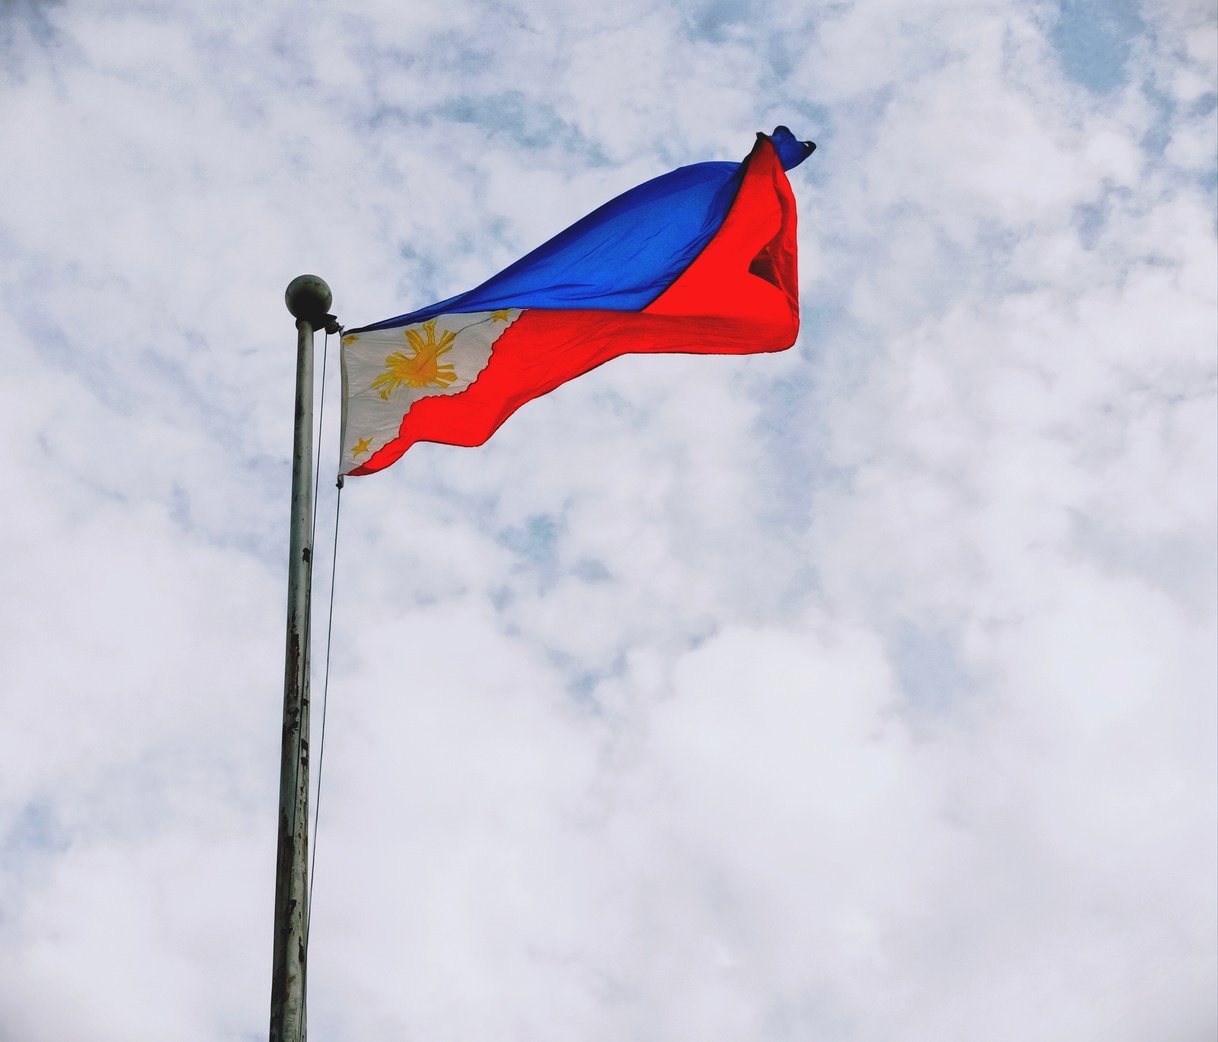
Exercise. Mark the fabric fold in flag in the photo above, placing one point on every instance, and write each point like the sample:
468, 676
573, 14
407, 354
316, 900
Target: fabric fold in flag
701, 260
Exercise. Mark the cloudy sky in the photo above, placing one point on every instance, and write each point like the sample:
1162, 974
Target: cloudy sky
861, 692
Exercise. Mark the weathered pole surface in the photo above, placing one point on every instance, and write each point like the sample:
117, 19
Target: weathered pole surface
308, 299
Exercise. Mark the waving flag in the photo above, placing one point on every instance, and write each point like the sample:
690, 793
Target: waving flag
701, 260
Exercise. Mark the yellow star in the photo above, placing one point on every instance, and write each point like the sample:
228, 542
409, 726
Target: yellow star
500, 316
350, 339
361, 446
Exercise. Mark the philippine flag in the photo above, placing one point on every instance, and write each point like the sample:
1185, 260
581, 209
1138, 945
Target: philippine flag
701, 260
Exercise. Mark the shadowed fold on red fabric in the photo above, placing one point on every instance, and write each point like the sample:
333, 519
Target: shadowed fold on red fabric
453, 372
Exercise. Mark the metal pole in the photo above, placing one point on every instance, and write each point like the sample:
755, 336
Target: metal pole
308, 299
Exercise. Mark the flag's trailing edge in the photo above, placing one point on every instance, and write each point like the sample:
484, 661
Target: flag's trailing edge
701, 260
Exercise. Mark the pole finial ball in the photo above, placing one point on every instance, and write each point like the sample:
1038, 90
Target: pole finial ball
308, 297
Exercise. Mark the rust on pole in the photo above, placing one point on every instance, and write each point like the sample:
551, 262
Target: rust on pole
308, 299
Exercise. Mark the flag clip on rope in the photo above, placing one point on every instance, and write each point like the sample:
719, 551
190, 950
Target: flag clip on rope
701, 260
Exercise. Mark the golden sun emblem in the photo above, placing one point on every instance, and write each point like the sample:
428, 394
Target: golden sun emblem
421, 369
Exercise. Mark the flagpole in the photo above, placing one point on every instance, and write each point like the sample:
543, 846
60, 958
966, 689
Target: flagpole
308, 299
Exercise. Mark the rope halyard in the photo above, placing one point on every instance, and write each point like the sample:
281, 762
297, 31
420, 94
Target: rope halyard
321, 756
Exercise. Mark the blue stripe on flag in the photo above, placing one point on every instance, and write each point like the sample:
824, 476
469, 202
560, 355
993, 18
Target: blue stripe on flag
618, 258
622, 256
